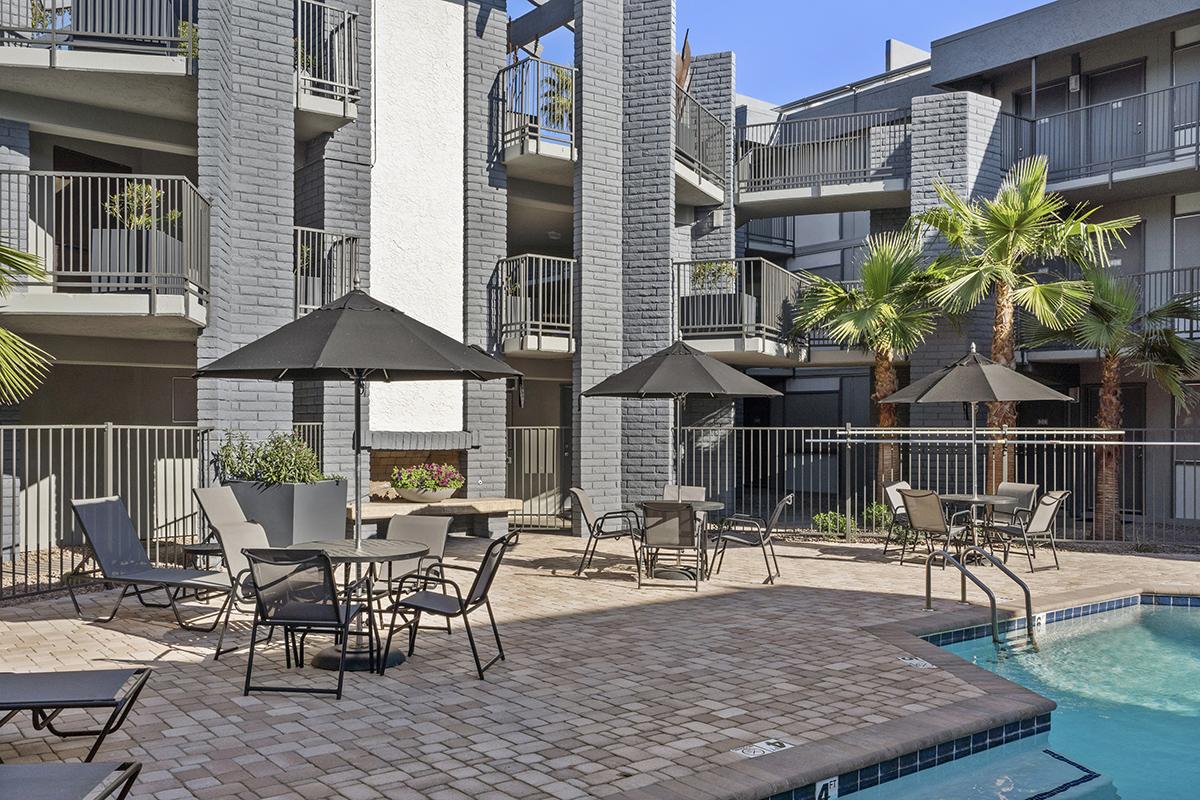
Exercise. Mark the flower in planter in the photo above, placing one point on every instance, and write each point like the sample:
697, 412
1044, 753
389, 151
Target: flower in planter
427, 477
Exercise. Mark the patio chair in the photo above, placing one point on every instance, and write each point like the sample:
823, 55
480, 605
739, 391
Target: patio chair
897, 529
427, 530
673, 493
45, 695
926, 516
122, 560
1024, 497
672, 527
1030, 527
598, 530
295, 590
424, 601
744, 530
68, 781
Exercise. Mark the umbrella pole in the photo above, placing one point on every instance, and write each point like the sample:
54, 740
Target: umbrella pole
678, 449
974, 451
358, 391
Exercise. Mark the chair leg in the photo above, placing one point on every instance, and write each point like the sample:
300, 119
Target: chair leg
637, 565
474, 650
224, 630
584, 561
1028, 550
495, 630
770, 574
412, 633
250, 655
342, 660
775, 558
1054, 551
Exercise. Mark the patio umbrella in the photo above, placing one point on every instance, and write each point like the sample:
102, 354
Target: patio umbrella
357, 338
974, 379
678, 372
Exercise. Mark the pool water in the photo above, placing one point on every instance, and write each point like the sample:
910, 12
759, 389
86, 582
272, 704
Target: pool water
1127, 684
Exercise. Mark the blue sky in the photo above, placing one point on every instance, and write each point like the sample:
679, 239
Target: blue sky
792, 48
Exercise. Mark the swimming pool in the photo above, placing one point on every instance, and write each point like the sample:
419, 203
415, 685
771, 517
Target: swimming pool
1127, 684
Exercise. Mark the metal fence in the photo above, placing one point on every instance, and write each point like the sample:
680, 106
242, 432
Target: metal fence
535, 298
777, 232
313, 434
539, 463
42, 468
746, 297
326, 51
699, 138
538, 102
325, 267
1138, 485
121, 26
800, 153
102, 233
1015, 138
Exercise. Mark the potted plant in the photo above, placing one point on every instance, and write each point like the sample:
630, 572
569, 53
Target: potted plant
279, 484
713, 301
426, 483
147, 238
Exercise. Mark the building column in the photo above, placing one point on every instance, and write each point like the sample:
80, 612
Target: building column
596, 428
14, 189
485, 241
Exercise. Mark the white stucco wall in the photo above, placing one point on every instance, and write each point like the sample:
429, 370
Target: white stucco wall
417, 194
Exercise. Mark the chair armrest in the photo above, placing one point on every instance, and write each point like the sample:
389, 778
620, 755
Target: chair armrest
428, 579
744, 520
358, 585
629, 517
958, 514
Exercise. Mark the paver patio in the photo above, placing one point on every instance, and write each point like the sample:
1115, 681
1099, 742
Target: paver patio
606, 688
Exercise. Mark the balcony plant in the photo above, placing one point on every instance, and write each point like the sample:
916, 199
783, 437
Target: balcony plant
23, 365
427, 483
712, 302
188, 34
279, 484
145, 239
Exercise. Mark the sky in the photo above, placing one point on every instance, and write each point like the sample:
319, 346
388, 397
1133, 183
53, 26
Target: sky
787, 49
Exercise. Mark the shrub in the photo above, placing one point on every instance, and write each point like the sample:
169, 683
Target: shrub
427, 477
136, 207
876, 516
831, 522
281, 458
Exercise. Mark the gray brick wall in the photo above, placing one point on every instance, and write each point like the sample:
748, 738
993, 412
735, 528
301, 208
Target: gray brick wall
14, 189
651, 239
596, 429
246, 144
888, 219
485, 199
714, 82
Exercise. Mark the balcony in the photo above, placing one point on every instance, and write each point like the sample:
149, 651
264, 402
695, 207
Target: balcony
325, 267
738, 311
326, 63
131, 249
699, 153
850, 162
535, 306
537, 129
772, 235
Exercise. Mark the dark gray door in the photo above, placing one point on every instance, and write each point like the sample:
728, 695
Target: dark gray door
1117, 118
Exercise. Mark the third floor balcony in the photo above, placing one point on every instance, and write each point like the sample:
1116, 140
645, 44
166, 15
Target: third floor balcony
700, 153
537, 123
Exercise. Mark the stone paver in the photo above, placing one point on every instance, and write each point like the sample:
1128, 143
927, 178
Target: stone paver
606, 688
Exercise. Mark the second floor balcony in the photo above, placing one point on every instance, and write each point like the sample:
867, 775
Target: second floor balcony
123, 247
700, 153
535, 305
847, 162
325, 267
537, 121
772, 235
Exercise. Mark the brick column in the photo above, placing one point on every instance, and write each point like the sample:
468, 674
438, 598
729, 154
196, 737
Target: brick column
714, 85
485, 198
14, 189
596, 428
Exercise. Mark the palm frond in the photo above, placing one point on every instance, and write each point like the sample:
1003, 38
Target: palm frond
1056, 304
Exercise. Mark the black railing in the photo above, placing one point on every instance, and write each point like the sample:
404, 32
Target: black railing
699, 138
158, 27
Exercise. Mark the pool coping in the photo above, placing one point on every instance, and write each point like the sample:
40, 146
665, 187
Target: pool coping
1003, 704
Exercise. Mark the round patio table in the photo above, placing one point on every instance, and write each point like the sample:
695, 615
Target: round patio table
343, 552
678, 571
974, 501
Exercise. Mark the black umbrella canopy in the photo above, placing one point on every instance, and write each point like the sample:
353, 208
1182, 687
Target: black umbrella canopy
357, 336
974, 379
680, 371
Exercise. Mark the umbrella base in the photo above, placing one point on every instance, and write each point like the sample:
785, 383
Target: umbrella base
356, 660
674, 573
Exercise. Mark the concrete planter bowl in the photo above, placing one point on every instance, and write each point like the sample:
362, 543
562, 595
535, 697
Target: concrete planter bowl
424, 495
295, 512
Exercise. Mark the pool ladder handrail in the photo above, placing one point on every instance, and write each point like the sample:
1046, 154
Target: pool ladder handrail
966, 573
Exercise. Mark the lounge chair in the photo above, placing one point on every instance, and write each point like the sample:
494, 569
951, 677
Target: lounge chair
67, 781
423, 601
122, 560
672, 528
1029, 528
744, 530
45, 695
603, 527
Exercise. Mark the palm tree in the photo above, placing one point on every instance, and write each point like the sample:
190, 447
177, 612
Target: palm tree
889, 315
996, 247
23, 365
1126, 338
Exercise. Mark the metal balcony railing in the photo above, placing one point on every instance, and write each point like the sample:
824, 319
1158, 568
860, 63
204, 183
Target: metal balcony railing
121, 26
772, 232
535, 296
538, 102
1137, 131
325, 267
745, 297
326, 51
699, 138
1015, 138
104, 233
801, 153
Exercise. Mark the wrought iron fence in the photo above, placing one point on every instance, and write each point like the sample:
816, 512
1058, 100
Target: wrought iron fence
325, 267
42, 468
1131, 485
800, 153
747, 297
121, 26
535, 297
99, 233
699, 138
326, 51
538, 466
538, 102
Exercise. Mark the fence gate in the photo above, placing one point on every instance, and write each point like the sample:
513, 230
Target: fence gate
538, 466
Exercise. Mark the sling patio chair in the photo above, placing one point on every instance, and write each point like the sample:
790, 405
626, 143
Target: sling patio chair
296, 590
744, 530
123, 561
431, 531
1029, 528
422, 600
927, 516
672, 528
897, 529
614, 525
46, 695
1024, 498
68, 781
